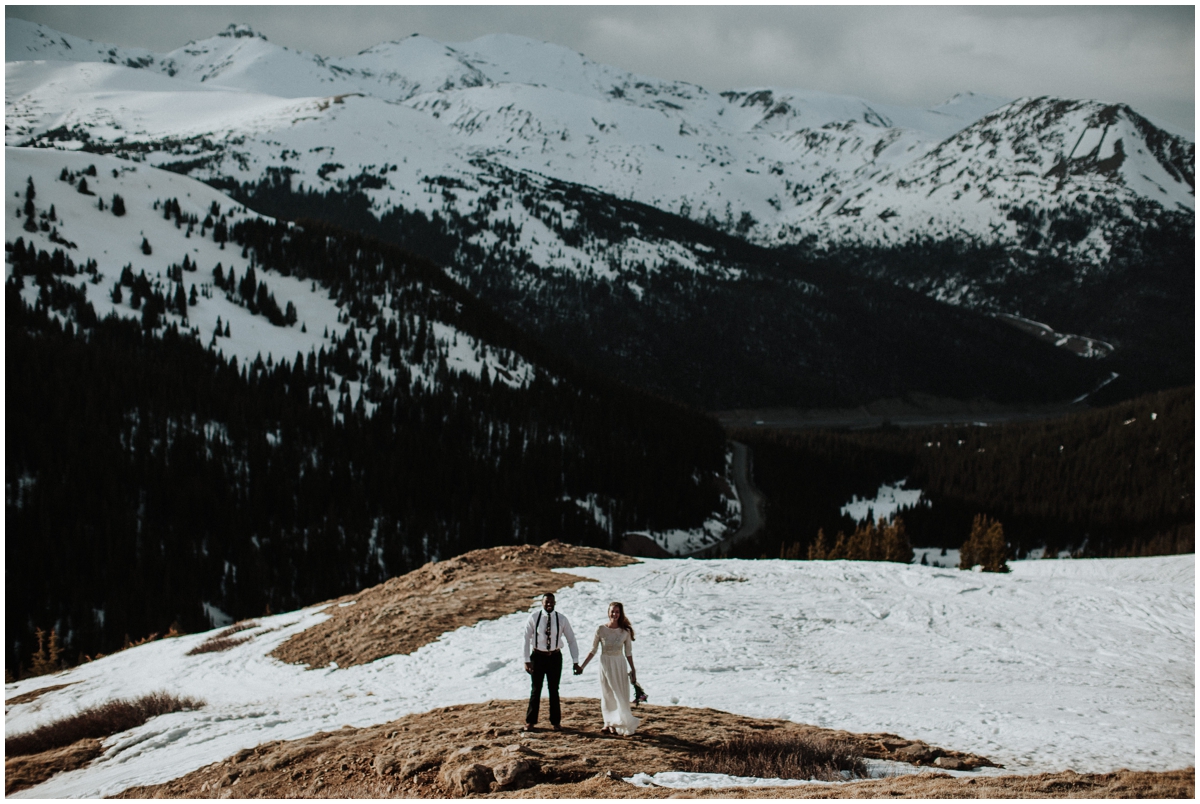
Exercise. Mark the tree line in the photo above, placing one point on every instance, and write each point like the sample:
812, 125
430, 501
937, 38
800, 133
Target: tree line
1112, 481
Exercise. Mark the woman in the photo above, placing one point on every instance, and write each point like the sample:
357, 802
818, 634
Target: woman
616, 639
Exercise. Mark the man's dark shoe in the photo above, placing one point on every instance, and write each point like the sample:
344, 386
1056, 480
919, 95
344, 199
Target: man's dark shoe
556, 727
530, 727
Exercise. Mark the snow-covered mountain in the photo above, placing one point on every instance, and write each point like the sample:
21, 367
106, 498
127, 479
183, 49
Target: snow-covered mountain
217, 343
526, 156
147, 241
796, 163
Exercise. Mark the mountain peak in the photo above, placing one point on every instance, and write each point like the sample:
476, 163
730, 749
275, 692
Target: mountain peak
240, 30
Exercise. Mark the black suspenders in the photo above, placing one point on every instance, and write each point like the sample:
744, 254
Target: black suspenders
549, 633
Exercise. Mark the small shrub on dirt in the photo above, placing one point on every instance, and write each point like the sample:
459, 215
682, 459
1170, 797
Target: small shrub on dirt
215, 645
784, 755
225, 639
97, 723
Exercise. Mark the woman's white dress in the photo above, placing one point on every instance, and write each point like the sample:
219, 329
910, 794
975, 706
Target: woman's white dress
615, 645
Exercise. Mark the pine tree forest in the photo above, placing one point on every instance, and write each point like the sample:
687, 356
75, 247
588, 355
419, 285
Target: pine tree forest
1114, 481
150, 479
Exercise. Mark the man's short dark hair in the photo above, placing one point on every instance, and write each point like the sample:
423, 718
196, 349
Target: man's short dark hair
548, 594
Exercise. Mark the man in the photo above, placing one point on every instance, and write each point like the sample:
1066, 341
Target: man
544, 635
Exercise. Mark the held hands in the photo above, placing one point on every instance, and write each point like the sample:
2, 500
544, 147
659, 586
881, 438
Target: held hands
577, 670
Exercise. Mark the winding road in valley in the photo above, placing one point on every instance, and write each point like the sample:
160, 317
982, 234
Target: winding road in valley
753, 504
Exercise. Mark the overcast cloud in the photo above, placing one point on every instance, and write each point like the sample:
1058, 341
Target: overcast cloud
910, 55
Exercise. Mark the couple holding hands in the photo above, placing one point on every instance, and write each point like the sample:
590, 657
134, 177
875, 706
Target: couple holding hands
545, 634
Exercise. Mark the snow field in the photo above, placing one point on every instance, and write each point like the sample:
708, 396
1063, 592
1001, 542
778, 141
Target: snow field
1081, 664
115, 242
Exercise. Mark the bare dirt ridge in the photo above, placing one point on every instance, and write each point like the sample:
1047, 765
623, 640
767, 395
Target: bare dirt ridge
479, 750
409, 611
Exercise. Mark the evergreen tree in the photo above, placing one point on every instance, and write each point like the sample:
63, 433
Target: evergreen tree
985, 546
146, 247
896, 546
47, 659
181, 303
30, 209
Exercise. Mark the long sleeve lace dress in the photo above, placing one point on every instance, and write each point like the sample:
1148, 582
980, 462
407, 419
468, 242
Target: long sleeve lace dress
615, 645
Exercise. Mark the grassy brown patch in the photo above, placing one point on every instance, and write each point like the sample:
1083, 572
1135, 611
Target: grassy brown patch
415, 757
410, 611
224, 640
782, 754
96, 723
33, 695
26, 771
424, 755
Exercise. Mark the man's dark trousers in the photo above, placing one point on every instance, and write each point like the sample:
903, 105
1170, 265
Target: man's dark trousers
549, 667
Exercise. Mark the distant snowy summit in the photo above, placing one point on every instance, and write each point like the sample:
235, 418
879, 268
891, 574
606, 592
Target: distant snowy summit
775, 166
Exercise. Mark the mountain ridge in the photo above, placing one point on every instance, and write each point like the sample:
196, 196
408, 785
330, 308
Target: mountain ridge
994, 205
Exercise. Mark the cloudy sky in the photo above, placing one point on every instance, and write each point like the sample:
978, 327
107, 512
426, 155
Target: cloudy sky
911, 55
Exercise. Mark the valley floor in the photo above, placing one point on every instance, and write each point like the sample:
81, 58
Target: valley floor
926, 412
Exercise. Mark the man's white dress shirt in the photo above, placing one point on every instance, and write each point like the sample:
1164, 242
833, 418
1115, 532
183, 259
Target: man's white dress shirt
547, 632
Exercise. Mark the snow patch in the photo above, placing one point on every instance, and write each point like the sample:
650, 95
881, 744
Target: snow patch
888, 500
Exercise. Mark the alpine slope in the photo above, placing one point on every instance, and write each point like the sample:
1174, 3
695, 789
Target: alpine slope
1082, 664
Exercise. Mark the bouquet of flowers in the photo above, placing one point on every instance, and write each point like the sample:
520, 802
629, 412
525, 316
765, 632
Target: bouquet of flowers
639, 694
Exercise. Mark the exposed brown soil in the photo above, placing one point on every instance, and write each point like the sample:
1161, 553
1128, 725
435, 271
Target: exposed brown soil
26, 771
404, 613
450, 751
33, 695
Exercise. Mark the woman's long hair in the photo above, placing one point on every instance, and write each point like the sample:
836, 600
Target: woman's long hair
623, 621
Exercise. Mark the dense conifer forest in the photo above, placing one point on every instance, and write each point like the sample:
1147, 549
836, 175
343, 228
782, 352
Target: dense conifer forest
1142, 301
759, 328
148, 478
1114, 481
